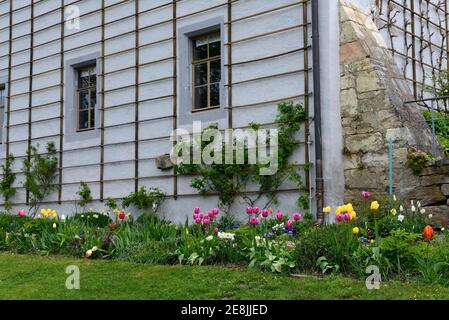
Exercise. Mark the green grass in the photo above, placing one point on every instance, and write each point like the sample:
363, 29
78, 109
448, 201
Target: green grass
33, 277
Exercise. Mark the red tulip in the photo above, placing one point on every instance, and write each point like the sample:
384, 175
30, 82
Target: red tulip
122, 216
428, 232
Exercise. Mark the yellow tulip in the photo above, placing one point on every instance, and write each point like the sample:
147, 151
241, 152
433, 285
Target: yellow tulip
394, 211
327, 210
353, 215
375, 205
355, 230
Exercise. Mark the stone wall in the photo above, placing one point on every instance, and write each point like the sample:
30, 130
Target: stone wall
373, 92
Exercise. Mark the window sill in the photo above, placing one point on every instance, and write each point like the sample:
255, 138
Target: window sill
205, 109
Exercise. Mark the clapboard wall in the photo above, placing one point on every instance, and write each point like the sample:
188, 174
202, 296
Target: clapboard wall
267, 58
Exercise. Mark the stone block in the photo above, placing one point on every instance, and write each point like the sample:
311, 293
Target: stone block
368, 81
347, 33
351, 51
440, 215
365, 143
361, 179
445, 189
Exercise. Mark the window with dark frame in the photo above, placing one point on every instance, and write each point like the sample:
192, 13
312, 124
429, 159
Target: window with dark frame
2, 108
206, 71
87, 97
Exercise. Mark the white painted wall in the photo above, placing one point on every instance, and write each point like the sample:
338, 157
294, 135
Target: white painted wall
154, 132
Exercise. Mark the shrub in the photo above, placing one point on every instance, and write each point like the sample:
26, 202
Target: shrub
6, 183
40, 173
145, 199
85, 195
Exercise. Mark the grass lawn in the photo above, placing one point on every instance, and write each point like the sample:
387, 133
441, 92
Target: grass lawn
32, 277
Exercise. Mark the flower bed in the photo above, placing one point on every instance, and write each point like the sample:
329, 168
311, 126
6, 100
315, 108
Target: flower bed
398, 239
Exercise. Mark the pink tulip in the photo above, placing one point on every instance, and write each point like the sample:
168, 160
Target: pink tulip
195, 216
216, 230
289, 224
198, 220
279, 215
210, 214
21, 213
339, 217
197, 210
249, 210
347, 216
215, 211
256, 210
265, 213
254, 221
366, 194
297, 216
201, 216
206, 221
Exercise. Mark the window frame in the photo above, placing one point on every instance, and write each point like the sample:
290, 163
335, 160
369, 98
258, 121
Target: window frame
91, 89
206, 61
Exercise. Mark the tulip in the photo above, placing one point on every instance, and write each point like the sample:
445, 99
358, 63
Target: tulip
297, 216
215, 211
254, 221
327, 210
271, 210
265, 213
88, 253
211, 214
195, 216
374, 205
122, 216
216, 230
198, 220
339, 217
21, 213
196, 210
206, 221
394, 211
289, 224
401, 218
256, 210
347, 217
54, 225
201, 216
355, 230
249, 210
366, 194
428, 232
279, 215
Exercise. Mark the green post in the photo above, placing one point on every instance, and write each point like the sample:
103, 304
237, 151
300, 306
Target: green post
390, 162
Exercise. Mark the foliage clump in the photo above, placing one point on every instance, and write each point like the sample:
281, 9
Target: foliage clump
7, 190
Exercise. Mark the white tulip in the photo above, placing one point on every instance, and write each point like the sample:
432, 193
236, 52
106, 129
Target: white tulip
401, 208
430, 216
413, 209
54, 225
422, 211
400, 218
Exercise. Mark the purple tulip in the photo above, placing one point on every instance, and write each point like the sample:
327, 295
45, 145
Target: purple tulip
198, 220
256, 210
347, 216
265, 213
339, 217
279, 215
297, 216
206, 221
249, 210
195, 216
254, 221
201, 216
197, 210
366, 194
289, 224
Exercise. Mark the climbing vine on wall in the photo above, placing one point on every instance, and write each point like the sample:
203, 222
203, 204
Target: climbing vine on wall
231, 181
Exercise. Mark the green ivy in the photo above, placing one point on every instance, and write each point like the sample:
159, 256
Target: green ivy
6, 183
229, 181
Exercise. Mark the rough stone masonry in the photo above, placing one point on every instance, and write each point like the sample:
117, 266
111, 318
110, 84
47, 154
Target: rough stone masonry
373, 92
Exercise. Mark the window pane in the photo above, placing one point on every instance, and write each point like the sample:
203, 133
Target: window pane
200, 74
215, 49
214, 95
93, 99
84, 79
215, 71
92, 118
93, 80
84, 100
84, 120
199, 49
201, 98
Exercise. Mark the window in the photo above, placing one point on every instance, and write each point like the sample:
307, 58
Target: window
206, 71
87, 97
2, 107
